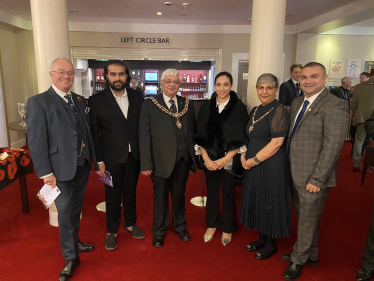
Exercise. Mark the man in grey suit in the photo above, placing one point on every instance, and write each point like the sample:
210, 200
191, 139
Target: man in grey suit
59, 138
362, 105
166, 131
317, 130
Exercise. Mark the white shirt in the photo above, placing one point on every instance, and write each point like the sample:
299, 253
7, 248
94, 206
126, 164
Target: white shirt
168, 104
311, 100
61, 93
295, 82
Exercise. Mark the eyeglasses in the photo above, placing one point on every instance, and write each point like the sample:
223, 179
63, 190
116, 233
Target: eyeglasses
262, 88
168, 82
63, 72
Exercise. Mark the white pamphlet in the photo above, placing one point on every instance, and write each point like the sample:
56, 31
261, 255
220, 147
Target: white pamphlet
48, 195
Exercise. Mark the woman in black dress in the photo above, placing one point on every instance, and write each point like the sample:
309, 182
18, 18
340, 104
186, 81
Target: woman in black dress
266, 191
220, 134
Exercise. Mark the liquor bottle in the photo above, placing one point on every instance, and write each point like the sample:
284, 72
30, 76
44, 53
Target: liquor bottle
98, 77
102, 77
138, 75
201, 79
142, 84
204, 79
188, 78
192, 79
184, 78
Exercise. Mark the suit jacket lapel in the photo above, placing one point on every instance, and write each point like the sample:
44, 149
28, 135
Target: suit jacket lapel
184, 119
293, 87
113, 103
130, 98
293, 113
60, 106
160, 99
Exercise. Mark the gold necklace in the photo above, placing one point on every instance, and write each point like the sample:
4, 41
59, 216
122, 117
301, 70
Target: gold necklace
176, 115
253, 118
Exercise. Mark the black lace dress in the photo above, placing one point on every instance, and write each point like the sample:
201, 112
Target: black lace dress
266, 190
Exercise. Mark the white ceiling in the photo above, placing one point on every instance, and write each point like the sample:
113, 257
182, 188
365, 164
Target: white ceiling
223, 12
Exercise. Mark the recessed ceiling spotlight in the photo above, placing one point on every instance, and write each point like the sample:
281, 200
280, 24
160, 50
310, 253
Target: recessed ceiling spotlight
167, 3
159, 13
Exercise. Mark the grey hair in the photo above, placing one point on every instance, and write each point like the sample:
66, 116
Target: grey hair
267, 78
345, 79
134, 78
60, 58
170, 72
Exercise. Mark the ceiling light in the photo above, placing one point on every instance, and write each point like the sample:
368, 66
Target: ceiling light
167, 3
159, 13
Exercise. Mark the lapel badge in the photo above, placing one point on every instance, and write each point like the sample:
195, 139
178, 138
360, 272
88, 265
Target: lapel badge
309, 109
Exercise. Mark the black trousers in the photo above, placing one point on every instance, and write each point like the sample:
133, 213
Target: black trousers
368, 255
176, 185
69, 206
125, 179
215, 180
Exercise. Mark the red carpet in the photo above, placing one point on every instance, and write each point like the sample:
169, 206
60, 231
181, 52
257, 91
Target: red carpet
29, 246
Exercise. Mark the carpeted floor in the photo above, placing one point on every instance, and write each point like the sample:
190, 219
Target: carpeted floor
29, 246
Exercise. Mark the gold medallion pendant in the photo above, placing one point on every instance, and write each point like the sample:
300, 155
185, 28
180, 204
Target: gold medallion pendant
179, 124
175, 115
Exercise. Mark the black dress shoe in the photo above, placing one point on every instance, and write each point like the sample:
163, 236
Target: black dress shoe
293, 271
158, 241
287, 257
363, 274
68, 270
85, 247
184, 236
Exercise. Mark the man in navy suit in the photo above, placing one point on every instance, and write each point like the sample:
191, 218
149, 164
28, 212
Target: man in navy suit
59, 138
290, 89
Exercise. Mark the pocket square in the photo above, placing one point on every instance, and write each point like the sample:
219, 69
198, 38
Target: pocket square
87, 110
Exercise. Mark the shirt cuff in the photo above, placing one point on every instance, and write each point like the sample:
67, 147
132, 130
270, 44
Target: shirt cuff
242, 149
100, 162
197, 149
51, 174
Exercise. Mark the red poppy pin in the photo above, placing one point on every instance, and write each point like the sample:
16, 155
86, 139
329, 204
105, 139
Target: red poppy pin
79, 99
315, 113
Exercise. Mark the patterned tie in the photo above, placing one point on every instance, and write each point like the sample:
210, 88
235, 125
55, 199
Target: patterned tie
70, 102
298, 119
298, 89
173, 108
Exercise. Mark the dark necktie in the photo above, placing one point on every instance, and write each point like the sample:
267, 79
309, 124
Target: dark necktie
298, 119
70, 102
173, 108
298, 89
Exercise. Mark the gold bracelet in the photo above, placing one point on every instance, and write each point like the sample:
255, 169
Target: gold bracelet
224, 161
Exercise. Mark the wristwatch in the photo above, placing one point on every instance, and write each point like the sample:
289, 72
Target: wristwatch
257, 161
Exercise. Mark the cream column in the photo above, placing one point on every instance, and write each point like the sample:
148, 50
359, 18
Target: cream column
266, 46
51, 40
51, 36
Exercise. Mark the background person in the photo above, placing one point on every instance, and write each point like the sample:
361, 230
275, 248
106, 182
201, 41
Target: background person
290, 89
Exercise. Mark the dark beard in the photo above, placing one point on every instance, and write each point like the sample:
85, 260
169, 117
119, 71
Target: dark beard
117, 88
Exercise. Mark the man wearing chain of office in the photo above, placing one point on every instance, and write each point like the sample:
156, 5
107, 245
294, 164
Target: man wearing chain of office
166, 130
